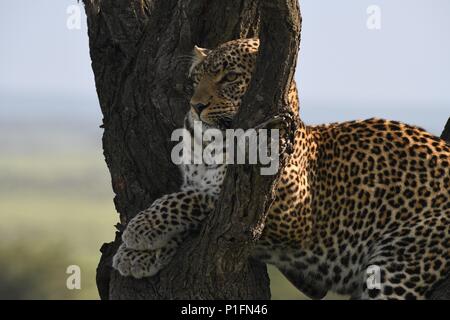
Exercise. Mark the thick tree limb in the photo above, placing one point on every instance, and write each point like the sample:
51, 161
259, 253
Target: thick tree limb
446, 133
136, 47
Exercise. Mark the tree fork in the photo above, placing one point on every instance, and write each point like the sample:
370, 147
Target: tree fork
141, 78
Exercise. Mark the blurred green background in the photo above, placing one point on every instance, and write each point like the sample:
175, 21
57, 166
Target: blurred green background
56, 209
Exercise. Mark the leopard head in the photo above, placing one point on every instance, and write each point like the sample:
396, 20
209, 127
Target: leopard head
221, 77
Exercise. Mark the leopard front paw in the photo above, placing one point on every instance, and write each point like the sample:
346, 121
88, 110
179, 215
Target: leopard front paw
140, 234
138, 264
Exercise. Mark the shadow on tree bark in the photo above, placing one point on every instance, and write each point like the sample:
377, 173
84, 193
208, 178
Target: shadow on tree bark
138, 50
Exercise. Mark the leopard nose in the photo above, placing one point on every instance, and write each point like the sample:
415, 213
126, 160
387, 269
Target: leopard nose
199, 107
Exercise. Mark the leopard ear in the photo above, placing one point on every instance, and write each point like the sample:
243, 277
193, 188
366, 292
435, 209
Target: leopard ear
199, 55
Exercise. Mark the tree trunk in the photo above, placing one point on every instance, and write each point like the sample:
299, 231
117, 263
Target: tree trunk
138, 50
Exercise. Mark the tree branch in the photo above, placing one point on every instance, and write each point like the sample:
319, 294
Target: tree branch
446, 133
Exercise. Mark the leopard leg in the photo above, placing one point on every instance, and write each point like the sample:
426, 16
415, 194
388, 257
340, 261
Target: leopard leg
407, 268
145, 263
303, 284
396, 279
167, 216
279, 257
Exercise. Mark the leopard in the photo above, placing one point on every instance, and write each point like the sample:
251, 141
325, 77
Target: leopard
361, 208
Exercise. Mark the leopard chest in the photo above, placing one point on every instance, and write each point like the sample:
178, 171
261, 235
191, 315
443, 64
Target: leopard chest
206, 178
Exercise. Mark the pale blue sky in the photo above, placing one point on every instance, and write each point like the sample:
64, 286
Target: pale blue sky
345, 71
407, 60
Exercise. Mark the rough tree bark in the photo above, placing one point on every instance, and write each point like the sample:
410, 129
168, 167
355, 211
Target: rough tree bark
137, 49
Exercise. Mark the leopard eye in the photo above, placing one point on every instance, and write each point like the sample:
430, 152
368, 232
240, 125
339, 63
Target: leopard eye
230, 77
